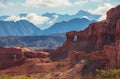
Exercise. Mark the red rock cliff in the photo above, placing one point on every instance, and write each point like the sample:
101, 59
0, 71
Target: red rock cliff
97, 34
16, 56
93, 38
10, 57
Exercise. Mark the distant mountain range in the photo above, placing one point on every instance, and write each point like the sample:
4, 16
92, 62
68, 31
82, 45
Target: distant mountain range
25, 28
2, 18
62, 17
19, 28
62, 24
67, 17
66, 26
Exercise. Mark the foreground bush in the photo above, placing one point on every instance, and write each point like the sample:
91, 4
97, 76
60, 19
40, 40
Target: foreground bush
104, 74
24, 77
5, 77
100, 74
12, 77
108, 74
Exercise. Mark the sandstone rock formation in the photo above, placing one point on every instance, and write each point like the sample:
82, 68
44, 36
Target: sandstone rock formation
108, 58
100, 40
15, 56
94, 37
113, 55
10, 57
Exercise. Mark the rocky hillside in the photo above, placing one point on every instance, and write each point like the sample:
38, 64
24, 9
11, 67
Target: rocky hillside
48, 41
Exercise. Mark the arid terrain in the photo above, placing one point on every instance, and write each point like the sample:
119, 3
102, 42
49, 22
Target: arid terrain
96, 47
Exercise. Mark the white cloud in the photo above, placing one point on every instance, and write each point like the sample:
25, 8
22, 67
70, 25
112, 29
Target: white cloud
85, 17
54, 19
100, 1
96, 0
47, 3
80, 2
11, 4
14, 18
37, 20
103, 17
8, 4
1, 4
33, 18
102, 9
52, 3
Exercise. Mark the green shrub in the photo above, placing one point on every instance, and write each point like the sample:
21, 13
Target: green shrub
108, 74
5, 76
23, 77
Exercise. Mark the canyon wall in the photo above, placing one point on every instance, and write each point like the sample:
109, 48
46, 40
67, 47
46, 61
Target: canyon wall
14, 56
102, 36
96, 35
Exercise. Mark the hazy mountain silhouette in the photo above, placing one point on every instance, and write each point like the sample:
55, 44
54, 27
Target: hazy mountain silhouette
65, 26
18, 28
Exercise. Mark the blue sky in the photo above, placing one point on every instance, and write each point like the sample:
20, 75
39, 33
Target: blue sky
14, 7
